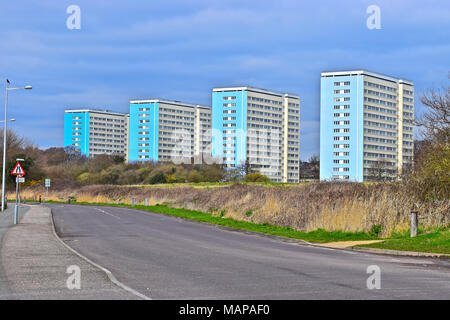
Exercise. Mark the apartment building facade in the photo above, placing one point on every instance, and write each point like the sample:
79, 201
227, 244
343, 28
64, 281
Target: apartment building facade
259, 127
169, 131
366, 126
96, 132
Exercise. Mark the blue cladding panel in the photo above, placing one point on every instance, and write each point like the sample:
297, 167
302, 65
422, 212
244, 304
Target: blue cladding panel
327, 127
152, 135
69, 126
240, 124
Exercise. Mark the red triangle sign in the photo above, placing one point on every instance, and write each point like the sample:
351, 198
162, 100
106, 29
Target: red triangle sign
18, 170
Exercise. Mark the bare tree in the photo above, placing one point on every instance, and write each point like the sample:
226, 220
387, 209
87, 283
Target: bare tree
14, 142
310, 169
381, 170
436, 119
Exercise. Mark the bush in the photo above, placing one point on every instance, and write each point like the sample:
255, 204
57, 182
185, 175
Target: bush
256, 177
376, 229
84, 177
157, 178
430, 179
171, 178
194, 176
213, 173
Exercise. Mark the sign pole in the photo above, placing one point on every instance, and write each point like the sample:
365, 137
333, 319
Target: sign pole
47, 185
16, 207
19, 173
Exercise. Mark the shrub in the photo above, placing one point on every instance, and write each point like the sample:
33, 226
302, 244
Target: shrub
171, 178
256, 177
157, 178
194, 176
375, 230
84, 177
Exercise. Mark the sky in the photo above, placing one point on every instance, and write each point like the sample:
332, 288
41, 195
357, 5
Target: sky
181, 49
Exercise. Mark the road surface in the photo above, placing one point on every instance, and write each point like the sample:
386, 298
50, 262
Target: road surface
164, 257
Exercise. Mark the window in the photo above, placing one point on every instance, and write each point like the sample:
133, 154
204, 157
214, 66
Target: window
341, 115
341, 146
337, 169
341, 130
341, 99
341, 161
339, 84
341, 91
341, 138
342, 107
341, 122
341, 154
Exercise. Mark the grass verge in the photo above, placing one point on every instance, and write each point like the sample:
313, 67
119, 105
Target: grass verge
436, 241
319, 236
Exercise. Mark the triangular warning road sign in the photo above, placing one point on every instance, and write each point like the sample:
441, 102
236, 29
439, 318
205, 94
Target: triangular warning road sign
18, 170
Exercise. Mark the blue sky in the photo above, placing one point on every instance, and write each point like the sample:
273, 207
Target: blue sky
181, 49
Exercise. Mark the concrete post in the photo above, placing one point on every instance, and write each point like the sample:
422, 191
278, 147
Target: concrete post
133, 201
414, 224
146, 201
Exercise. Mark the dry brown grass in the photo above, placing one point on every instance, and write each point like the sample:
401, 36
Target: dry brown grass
329, 206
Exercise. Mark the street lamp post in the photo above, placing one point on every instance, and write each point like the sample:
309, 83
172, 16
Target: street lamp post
4, 137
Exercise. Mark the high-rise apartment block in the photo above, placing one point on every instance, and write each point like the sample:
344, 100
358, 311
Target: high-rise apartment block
95, 132
258, 127
366, 126
165, 130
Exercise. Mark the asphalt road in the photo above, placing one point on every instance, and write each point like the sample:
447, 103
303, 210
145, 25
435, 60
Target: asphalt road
164, 257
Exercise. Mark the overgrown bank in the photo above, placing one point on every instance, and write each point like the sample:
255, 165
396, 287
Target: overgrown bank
381, 209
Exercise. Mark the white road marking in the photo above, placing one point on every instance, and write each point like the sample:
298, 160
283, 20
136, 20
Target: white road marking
109, 214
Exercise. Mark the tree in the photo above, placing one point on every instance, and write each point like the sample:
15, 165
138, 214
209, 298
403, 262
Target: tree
380, 170
118, 158
27, 164
310, 169
436, 119
430, 177
248, 167
73, 155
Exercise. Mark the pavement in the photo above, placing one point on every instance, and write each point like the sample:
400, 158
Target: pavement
346, 244
34, 263
164, 257
6, 221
